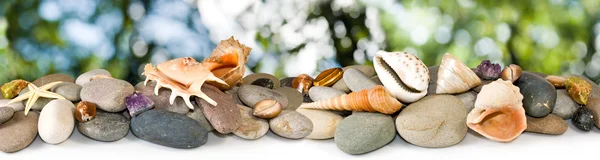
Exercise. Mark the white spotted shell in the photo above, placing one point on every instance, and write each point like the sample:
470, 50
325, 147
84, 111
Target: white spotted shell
403, 74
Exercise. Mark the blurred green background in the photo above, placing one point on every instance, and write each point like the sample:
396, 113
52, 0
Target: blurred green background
73, 36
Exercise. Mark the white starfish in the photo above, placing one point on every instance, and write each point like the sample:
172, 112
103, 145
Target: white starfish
36, 92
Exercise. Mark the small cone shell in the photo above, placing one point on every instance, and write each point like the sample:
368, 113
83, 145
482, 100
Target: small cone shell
455, 77
375, 99
498, 114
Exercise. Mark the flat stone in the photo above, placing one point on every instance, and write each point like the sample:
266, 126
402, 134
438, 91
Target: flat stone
262, 79
108, 94
168, 129
56, 121
53, 78
291, 124
226, 116
106, 127
294, 97
356, 80
87, 76
233, 93
16, 106
161, 101
70, 91
251, 94
594, 106
20, 131
363, 132
421, 122
468, 98
539, 95
565, 106
6, 113
550, 124
197, 115
318, 93
324, 123
251, 128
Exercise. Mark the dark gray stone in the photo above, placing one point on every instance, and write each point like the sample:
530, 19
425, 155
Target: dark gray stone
226, 116
169, 129
87, 76
318, 93
539, 95
105, 127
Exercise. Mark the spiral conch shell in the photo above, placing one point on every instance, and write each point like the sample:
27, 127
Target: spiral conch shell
455, 77
374, 99
184, 76
498, 113
403, 74
228, 61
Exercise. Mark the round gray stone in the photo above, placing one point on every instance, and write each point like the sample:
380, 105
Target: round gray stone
251, 94
161, 101
70, 91
291, 124
363, 132
6, 113
16, 106
168, 129
318, 93
565, 106
87, 76
105, 127
294, 97
53, 78
20, 131
468, 98
434, 121
539, 95
251, 127
108, 94
356, 80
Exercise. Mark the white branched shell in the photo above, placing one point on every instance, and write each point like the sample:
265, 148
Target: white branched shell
455, 77
403, 74
498, 113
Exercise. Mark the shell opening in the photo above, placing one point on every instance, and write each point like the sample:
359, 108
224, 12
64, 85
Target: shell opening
397, 79
502, 123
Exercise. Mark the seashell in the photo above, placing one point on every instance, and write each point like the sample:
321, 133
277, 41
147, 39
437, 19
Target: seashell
455, 77
302, 83
328, 77
228, 61
498, 113
403, 74
184, 76
511, 73
557, 81
375, 99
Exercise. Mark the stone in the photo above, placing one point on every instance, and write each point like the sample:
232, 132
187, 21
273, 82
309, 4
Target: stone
483, 83
369, 71
6, 113
539, 95
251, 94
108, 94
376, 80
87, 76
565, 106
421, 122
161, 101
138, 103
56, 121
16, 106
11, 89
38, 105
433, 72
363, 132
251, 128
468, 98
233, 93
324, 123
551, 124
70, 91
356, 80
53, 78
594, 107
286, 82
583, 119
20, 131
226, 116
262, 79
319, 93
85, 111
197, 115
169, 129
291, 124
106, 127
295, 98
341, 85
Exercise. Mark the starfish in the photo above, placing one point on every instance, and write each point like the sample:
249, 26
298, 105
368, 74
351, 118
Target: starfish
36, 92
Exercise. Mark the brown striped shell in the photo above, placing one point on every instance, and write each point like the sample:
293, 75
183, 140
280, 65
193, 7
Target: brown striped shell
375, 99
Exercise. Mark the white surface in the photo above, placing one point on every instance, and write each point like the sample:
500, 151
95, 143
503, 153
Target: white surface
574, 144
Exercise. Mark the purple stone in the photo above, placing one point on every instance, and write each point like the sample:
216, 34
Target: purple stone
488, 71
138, 103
